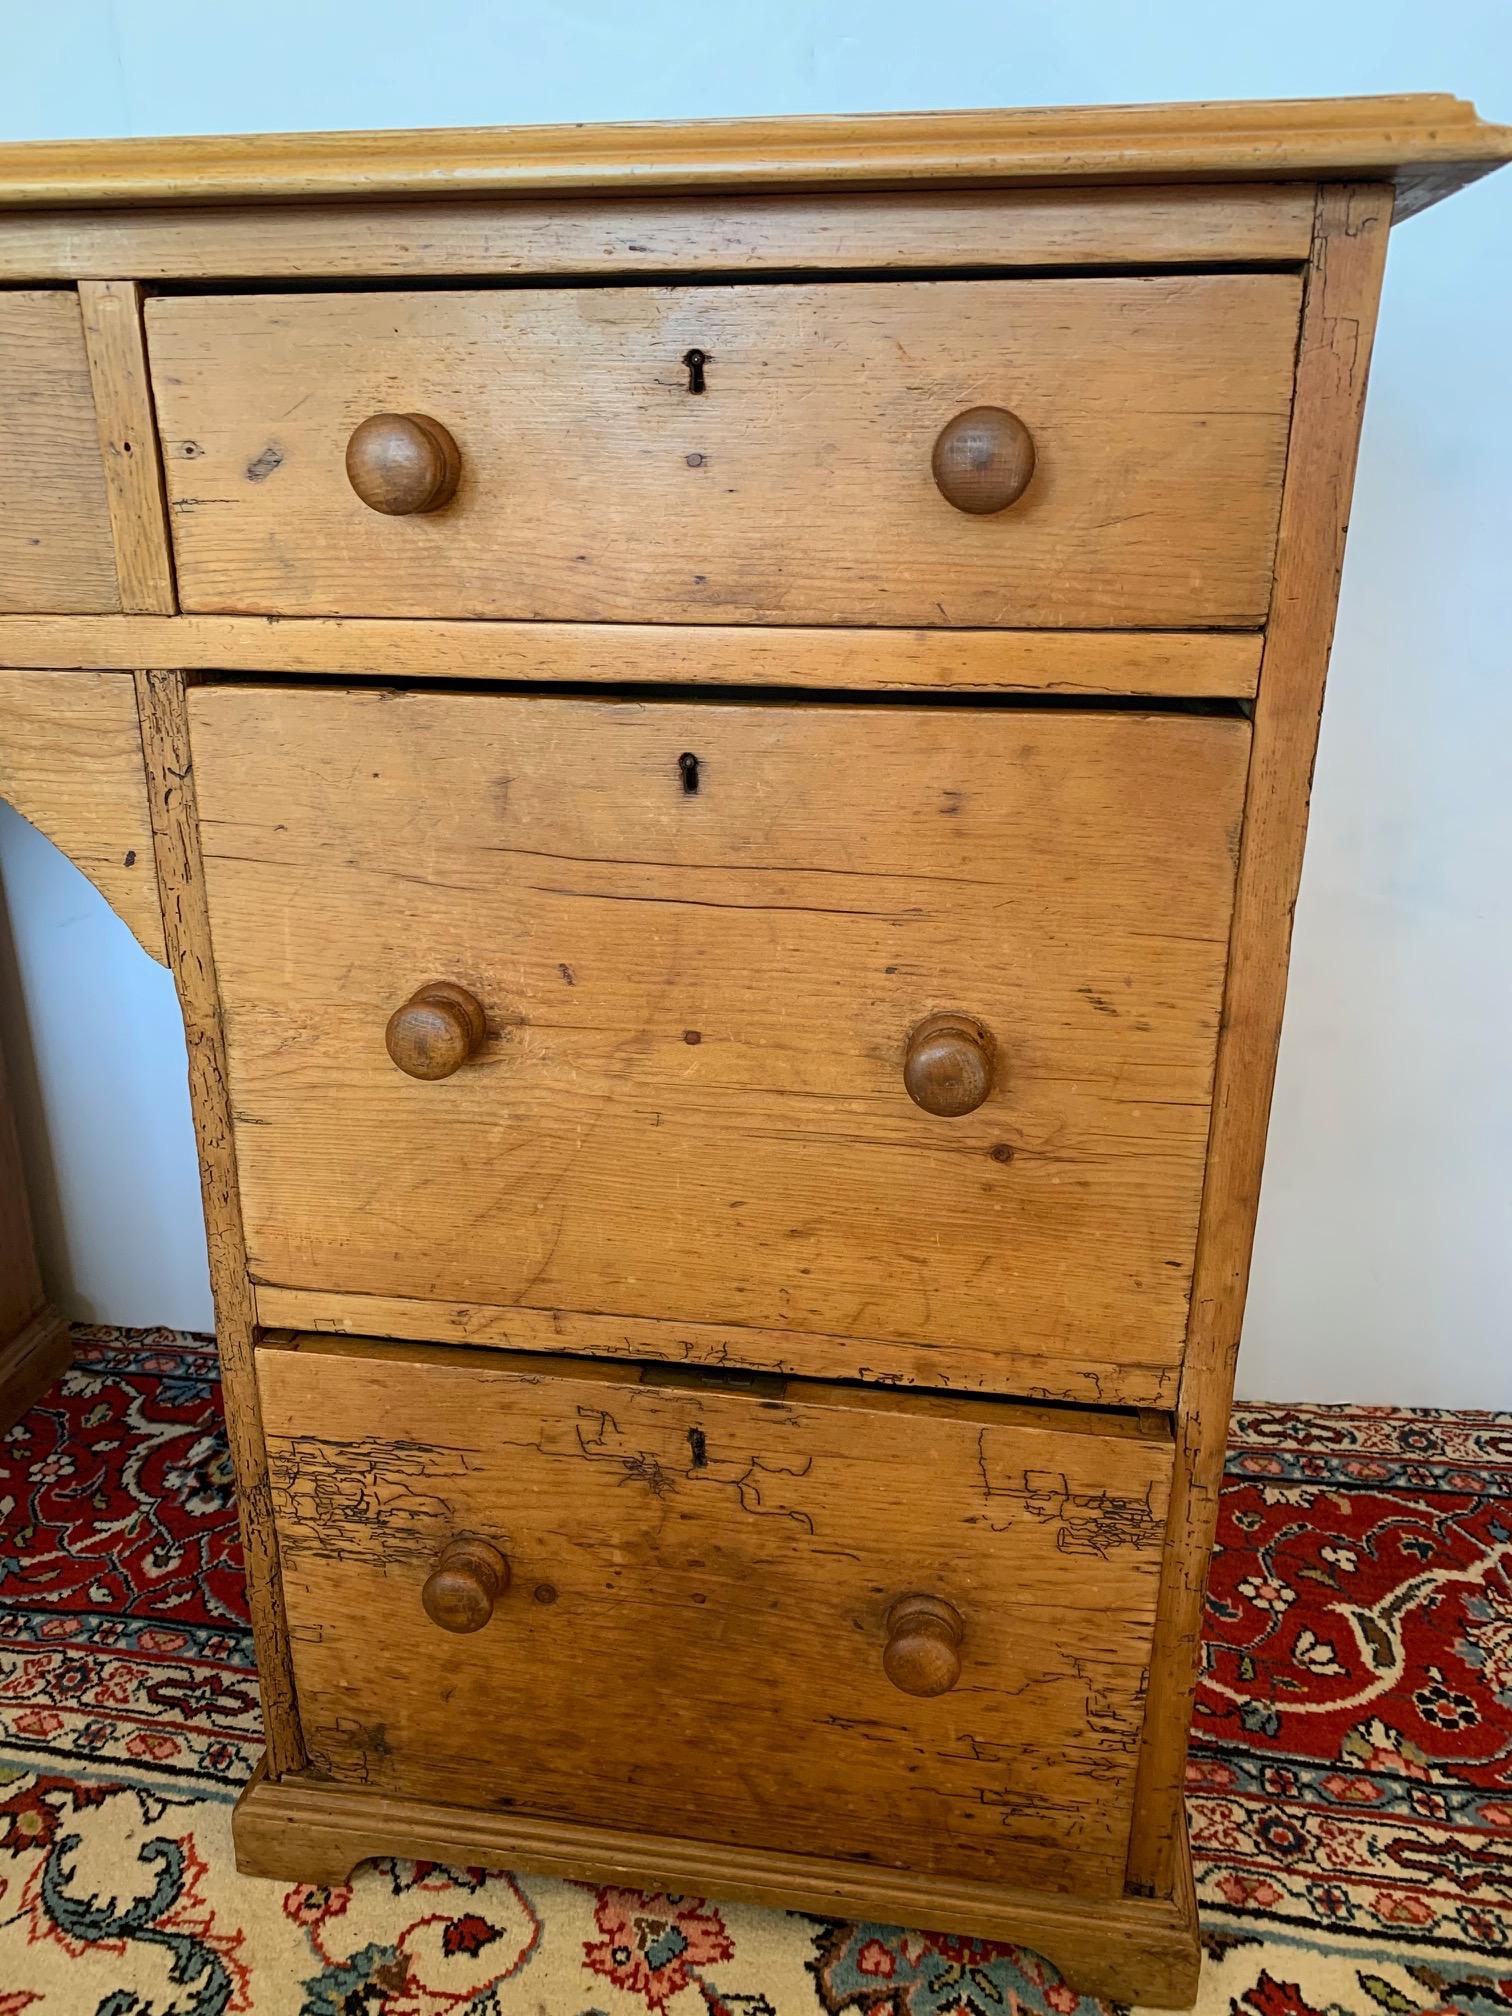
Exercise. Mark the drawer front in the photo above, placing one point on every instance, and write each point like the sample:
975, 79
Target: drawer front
691, 1096
56, 552
705, 1629
797, 486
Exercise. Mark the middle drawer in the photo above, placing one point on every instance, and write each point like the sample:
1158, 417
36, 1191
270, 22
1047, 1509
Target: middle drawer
711, 943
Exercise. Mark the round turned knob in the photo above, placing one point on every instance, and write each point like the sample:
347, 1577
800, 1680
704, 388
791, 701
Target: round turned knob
983, 460
923, 1653
460, 1591
402, 463
947, 1066
435, 1031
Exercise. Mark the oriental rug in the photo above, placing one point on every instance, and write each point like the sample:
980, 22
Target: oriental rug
1350, 1790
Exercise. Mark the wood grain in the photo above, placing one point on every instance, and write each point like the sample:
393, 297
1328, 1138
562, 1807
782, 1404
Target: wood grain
1338, 324
175, 835
71, 763
798, 488
1132, 1950
117, 352
1152, 664
526, 239
55, 544
1428, 142
691, 1104
686, 1554
998, 1366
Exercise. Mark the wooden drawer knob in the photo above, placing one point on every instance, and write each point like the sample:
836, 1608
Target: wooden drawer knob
460, 1591
983, 460
402, 463
947, 1067
435, 1031
923, 1654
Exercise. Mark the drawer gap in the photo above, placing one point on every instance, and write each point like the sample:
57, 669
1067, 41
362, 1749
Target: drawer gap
787, 276
1144, 1424
1215, 707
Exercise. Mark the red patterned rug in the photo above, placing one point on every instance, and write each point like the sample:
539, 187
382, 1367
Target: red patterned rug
1350, 1789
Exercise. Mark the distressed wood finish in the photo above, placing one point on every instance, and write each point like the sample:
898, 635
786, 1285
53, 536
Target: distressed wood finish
71, 763
628, 236
1129, 1949
639, 1516
116, 348
1141, 664
176, 843
797, 488
1338, 326
998, 1366
691, 1101
1428, 143
55, 544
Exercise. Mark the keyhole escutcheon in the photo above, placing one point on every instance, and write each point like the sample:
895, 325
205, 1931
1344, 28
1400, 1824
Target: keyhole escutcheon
695, 361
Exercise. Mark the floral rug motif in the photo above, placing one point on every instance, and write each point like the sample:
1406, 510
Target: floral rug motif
1350, 1790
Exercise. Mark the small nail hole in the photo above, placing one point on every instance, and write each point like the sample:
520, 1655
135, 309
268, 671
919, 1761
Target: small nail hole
687, 763
695, 361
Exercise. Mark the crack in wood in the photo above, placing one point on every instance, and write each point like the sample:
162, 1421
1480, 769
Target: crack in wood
759, 1486
345, 1501
1088, 1522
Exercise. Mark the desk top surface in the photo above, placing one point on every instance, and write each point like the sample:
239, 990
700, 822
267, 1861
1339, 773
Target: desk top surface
1428, 144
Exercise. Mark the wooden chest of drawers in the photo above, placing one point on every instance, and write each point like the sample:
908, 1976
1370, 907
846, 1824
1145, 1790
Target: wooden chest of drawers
723, 719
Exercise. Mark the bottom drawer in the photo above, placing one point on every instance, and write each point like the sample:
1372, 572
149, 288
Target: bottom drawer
839, 1620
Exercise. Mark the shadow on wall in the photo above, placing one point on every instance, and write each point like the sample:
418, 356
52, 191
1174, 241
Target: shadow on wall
101, 1095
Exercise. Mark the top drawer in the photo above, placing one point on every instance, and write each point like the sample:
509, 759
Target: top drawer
597, 483
56, 551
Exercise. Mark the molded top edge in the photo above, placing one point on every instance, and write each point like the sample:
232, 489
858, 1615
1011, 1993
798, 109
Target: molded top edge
1428, 144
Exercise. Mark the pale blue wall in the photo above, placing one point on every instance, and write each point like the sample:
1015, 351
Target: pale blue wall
1384, 1267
